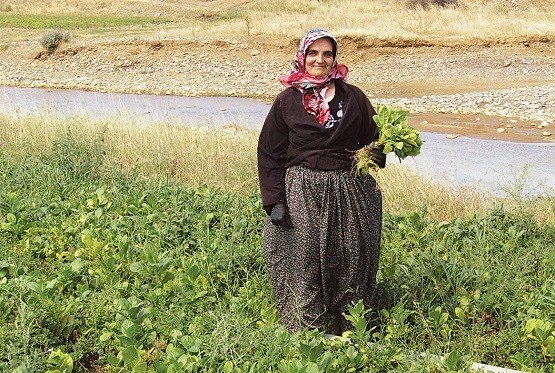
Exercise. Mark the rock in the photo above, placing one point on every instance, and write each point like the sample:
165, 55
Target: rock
451, 136
501, 130
546, 134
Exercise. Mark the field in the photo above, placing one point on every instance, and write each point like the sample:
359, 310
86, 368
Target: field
128, 248
118, 257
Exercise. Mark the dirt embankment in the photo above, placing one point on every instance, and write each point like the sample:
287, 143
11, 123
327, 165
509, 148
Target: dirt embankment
504, 89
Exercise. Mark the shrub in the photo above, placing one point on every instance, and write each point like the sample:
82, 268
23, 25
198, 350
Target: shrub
53, 39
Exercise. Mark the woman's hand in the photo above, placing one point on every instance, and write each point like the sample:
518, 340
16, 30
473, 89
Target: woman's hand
280, 216
377, 155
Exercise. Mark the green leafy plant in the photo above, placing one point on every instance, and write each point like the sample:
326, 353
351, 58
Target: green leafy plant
542, 332
128, 273
395, 136
59, 362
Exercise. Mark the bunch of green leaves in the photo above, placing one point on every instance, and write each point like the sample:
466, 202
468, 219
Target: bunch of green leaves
395, 133
395, 136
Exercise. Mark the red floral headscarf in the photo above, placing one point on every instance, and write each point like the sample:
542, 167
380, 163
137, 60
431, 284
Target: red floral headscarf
313, 88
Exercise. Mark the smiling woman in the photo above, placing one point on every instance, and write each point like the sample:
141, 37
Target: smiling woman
322, 233
319, 57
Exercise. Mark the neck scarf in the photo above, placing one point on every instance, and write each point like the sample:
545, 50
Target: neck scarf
314, 88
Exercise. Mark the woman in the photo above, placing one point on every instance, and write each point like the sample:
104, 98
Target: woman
322, 234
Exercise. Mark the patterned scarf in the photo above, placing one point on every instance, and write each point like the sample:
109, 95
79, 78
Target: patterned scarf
313, 88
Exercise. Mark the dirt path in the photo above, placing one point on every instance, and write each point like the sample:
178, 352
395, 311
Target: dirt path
503, 91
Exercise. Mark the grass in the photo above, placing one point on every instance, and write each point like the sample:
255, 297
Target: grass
75, 21
193, 155
470, 22
225, 158
113, 260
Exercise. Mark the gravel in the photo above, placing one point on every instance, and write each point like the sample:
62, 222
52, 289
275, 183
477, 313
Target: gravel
532, 103
200, 67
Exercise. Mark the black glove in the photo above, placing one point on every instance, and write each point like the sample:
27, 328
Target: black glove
280, 216
377, 154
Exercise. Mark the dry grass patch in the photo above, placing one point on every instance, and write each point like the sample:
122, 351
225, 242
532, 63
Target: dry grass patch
449, 22
225, 157
221, 157
403, 191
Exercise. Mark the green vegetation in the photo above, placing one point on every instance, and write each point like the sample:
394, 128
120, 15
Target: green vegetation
53, 39
106, 266
395, 136
395, 133
75, 21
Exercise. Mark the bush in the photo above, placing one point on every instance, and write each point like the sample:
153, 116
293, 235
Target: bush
53, 39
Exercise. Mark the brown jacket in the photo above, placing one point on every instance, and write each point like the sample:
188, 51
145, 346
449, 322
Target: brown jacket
291, 136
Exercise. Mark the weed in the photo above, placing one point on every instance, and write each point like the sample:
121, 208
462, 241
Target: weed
74, 159
248, 25
54, 39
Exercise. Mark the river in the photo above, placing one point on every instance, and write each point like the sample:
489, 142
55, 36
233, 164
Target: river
494, 166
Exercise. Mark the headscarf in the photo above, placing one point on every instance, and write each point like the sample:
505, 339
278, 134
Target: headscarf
314, 88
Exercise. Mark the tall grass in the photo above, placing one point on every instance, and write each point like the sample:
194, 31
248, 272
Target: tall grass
193, 155
225, 158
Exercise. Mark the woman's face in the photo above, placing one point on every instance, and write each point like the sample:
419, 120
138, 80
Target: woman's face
319, 57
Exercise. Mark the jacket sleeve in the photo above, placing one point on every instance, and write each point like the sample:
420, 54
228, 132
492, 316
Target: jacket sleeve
271, 153
369, 129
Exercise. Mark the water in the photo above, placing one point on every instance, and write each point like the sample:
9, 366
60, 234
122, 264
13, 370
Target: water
500, 167
139, 108
494, 166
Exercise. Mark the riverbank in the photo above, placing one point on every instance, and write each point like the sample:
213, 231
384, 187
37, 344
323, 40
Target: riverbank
504, 91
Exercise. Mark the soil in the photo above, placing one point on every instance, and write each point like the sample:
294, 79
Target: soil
249, 67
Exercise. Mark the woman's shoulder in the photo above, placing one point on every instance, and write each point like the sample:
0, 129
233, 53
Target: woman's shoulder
288, 92
288, 95
350, 87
